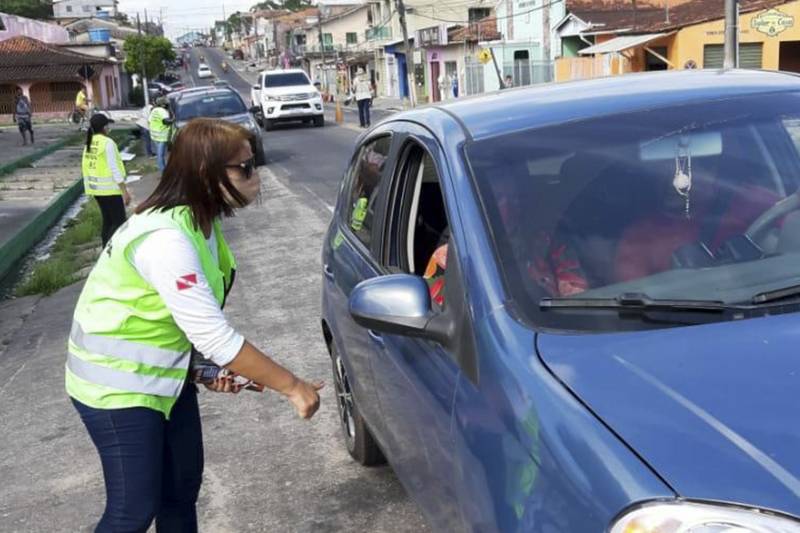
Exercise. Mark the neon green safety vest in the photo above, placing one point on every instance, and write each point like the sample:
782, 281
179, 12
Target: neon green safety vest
125, 349
159, 132
98, 180
359, 214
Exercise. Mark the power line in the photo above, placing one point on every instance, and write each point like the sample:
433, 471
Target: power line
521, 13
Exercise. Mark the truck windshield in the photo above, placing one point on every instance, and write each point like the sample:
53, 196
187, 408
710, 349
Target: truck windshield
286, 80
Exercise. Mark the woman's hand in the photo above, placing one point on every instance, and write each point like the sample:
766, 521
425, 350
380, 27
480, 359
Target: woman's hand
224, 384
305, 398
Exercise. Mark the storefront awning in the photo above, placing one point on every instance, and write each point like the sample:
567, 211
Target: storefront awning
618, 44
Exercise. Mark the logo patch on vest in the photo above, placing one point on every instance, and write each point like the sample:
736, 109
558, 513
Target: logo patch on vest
186, 282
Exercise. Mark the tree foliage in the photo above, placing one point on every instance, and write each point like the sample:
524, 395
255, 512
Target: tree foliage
34, 9
291, 5
150, 51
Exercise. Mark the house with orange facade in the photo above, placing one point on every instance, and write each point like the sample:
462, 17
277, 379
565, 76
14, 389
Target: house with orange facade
610, 38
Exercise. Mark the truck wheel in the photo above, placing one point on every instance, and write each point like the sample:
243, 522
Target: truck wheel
268, 124
319, 121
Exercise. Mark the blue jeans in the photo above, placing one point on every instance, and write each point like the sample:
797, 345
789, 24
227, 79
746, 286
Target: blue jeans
148, 144
161, 155
363, 112
152, 467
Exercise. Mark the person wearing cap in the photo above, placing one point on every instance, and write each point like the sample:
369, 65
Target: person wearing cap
364, 98
104, 175
160, 121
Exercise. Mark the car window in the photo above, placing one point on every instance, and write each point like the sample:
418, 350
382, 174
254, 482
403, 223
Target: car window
420, 230
286, 80
365, 187
209, 105
661, 203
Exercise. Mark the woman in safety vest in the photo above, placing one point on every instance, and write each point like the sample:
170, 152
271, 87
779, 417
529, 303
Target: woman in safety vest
155, 294
104, 175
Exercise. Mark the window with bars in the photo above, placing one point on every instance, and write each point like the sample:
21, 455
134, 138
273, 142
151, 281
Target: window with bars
351, 37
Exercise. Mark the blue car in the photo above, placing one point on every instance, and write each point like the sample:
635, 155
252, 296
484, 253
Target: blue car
574, 308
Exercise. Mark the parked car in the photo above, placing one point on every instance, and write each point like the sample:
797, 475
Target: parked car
177, 86
216, 102
157, 88
574, 307
203, 71
287, 95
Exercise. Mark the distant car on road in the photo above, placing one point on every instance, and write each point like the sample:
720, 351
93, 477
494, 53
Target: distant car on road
177, 86
287, 95
221, 83
216, 102
157, 88
574, 308
203, 71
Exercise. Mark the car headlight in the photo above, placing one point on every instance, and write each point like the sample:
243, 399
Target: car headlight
686, 517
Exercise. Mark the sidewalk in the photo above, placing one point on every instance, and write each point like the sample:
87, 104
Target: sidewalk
45, 135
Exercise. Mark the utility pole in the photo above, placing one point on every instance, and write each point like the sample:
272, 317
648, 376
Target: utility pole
546, 34
731, 49
144, 67
321, 46
401, 11
146, 24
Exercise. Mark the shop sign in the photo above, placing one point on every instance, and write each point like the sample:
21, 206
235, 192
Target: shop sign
772, 22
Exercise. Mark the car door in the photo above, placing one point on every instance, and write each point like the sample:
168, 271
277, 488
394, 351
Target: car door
416, 378
349, 258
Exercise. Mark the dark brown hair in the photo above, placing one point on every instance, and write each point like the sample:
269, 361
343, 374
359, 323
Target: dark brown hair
196, 171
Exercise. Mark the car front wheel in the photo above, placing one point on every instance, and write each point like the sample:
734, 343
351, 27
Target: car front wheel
359, 441
319, 121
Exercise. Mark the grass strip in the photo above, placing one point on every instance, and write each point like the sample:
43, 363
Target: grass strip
74, 250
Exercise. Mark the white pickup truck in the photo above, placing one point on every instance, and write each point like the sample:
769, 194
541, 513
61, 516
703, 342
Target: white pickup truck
287, 95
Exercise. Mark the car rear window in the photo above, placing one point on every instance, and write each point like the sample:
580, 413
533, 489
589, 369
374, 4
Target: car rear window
286, 80
209, 105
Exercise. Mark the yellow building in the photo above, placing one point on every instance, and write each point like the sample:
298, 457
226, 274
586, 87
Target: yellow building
690, 35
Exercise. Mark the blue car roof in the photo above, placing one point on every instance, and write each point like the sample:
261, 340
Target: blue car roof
518, 109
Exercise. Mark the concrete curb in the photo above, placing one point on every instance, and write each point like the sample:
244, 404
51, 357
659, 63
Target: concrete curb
14, 249
22, 162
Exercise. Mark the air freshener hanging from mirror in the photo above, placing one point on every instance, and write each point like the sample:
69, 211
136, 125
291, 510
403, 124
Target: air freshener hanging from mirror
682, 182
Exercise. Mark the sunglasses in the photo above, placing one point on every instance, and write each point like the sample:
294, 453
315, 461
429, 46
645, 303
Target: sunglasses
247, 167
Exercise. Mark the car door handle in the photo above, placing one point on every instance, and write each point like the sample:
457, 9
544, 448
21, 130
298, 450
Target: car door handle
328, 272
375, 336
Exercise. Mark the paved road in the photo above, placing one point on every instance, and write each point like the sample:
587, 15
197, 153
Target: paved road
265, 470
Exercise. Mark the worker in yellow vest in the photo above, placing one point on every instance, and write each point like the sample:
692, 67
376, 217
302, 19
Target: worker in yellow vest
104, 175
160, 121
154, 297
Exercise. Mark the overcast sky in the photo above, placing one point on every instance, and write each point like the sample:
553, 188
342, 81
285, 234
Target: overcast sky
184, 16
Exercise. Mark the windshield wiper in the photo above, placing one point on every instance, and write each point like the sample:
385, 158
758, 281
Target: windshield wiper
636, 301
775, 295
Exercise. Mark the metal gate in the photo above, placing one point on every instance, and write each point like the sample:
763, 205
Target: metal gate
750, 55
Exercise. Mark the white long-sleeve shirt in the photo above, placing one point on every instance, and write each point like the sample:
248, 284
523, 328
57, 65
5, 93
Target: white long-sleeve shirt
117, 173
167, 260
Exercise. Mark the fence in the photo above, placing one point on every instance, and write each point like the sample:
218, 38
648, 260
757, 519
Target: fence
48, 97
523, 73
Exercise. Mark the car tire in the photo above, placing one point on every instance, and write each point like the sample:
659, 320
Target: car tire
319, 121
261, 159
358, 439
268, 124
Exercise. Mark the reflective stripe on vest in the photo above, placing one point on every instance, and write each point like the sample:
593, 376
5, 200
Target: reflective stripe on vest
127, 381
159, 132
98, 178
123, 349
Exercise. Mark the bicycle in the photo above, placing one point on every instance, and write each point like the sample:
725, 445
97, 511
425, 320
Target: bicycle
81, 118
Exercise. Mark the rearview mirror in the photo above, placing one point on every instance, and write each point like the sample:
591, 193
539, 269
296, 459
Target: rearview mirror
398, 304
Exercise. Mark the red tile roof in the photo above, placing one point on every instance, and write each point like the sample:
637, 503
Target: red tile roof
24, 58
650, 16
482, 30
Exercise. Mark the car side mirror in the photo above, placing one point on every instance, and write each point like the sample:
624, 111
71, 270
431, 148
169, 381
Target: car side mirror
255, 109
398, 304
256, 87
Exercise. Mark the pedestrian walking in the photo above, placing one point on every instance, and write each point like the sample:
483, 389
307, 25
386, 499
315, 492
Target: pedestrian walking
144, 129
23, 115
104, 175
363, 98
159, 122
156, 292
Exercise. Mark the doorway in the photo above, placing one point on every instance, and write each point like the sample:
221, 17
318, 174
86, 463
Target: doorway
789, 58
435, 93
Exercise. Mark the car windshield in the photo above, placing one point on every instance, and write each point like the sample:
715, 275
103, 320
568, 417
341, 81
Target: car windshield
285, 80
209, 105
694, 202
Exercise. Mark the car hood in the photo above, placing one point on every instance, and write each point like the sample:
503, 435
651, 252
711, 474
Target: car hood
713, 409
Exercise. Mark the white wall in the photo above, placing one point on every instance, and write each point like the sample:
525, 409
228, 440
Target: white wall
49, 33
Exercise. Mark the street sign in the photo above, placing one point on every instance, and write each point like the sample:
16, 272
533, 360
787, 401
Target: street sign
485, 55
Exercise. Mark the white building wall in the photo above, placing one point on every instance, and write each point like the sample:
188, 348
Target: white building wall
83, 8
42, 31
